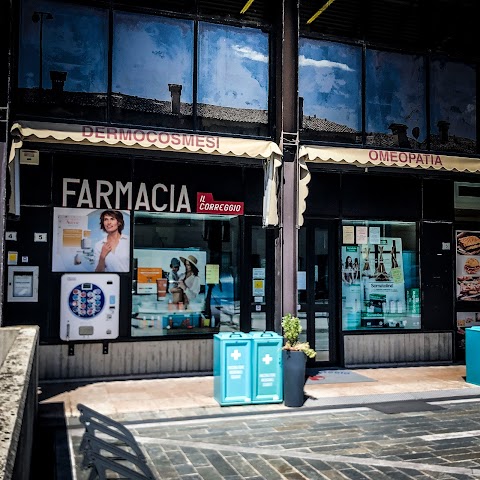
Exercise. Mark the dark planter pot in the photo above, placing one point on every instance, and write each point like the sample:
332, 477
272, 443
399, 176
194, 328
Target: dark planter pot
293, 378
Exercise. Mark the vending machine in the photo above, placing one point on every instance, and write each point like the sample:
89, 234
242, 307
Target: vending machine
90, 305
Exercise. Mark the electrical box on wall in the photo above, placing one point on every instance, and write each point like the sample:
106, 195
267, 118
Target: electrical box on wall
89, 308
22, 284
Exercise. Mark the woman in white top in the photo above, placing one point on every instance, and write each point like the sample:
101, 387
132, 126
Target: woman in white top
112, 254
189, 281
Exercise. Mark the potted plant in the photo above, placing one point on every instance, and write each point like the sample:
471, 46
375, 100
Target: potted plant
295, 355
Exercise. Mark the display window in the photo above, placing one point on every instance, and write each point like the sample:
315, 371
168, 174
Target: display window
185, 274
380, 276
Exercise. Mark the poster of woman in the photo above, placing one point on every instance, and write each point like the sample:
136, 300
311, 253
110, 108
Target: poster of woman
91, 240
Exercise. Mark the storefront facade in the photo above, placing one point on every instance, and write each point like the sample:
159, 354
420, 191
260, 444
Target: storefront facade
278, 170
385, 279
175, 211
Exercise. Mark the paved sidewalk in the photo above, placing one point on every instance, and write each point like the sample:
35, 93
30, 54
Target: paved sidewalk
409, 423
187, 435
192, 396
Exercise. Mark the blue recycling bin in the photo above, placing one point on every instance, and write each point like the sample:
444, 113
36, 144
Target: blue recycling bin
472, 354
267, 372
232, 373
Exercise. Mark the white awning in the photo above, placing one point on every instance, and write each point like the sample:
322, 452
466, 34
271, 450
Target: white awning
364, 157
303, 180
75, 134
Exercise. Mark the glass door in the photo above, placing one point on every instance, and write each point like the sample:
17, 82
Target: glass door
316, 288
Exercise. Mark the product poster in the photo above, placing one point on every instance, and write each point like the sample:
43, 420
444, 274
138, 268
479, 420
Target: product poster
373, 286
78, 240
468, 265
160, 305
383, 286
351, 289
348, 234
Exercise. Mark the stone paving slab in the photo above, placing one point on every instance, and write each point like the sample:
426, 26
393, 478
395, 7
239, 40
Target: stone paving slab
358, 443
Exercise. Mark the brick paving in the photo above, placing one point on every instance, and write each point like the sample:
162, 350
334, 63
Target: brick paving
356, 443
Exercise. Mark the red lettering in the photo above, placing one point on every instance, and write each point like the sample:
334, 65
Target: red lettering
384, 156
111, 131
153, 138
200, 141
100, 132
139, 135
167, 137
373, 155
188, 140
125, 134
87, 131
175, 139
210, 142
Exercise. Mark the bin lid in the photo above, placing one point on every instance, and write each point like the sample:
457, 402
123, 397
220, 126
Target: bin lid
232, 335
266, 335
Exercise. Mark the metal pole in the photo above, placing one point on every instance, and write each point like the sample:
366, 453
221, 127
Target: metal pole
41, 52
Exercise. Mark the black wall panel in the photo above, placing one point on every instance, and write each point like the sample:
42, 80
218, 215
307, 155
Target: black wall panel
437, 276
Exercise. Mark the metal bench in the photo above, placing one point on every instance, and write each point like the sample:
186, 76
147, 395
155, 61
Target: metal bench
108, 446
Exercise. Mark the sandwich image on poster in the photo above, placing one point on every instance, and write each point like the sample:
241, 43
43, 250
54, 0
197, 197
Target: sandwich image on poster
468, 265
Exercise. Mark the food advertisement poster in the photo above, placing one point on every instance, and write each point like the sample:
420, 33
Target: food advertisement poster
78, 240
468, 265
468, 319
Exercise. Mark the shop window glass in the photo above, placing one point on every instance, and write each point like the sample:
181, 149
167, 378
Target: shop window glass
62, 68
453, 120
185, 274
233, 67
152, 70
395, 100
330, 77
380, 276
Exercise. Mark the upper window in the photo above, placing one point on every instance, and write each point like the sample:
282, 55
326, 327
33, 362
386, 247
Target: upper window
395, 100
330, 77
453, 121
233, 69
62, 70
162, 73
152, 70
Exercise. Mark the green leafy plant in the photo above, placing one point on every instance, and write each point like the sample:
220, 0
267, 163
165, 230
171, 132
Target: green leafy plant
291, 332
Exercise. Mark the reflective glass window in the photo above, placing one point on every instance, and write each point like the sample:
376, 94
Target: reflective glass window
380, 276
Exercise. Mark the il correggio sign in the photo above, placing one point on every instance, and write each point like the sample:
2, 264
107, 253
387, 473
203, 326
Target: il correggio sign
105, 194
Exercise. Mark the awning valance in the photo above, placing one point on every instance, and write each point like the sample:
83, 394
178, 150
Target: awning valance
145, 139
388, 158
76, 134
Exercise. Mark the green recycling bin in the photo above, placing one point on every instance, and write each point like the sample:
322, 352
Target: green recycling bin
232, 373
267, 373
472, 355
